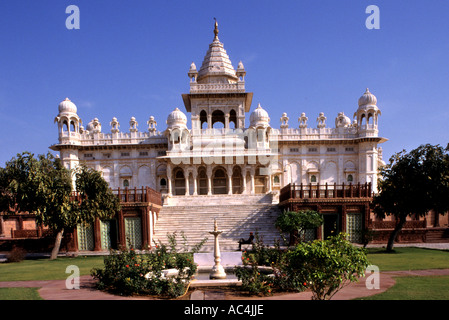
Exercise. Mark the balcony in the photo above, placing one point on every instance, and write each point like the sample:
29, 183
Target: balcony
326, 191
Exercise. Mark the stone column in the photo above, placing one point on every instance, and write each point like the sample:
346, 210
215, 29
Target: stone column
253, 186
150, 228
186, 180
97, 235
269, 183
209, 121
244, 181
229, 183
226, 121
195, 176
209, 181
169, 182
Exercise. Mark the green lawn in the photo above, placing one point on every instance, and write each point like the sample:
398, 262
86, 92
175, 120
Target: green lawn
408, 259
44, 269
19, 294
416, 288
432, 288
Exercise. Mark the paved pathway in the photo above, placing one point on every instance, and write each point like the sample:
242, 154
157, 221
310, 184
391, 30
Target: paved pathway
56, 289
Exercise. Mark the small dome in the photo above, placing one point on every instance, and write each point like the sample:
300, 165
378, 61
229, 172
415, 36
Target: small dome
259, 117
67, 106
94, 126
367, 99
342, 121
193, 67
176, 118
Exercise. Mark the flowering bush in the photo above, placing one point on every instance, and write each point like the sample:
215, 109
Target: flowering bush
323, 266
327, 266
127, 272
264, 270
252, 279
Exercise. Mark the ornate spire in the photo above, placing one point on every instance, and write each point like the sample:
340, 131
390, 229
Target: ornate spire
216, 63
216, 30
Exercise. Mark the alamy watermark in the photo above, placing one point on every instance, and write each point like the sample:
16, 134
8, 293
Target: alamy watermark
373, 279
73, 280
73, 20
373, 20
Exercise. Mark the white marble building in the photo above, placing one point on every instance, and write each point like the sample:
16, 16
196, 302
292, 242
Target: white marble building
214, 150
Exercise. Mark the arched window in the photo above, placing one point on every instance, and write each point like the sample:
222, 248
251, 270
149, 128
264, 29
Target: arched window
232, 119
259, 181
218, 116
370, 119
202, 181
350, 178
219, 182
180, 183
203, 119
276, 180
313, 178
363, 120
237, 180
126, 183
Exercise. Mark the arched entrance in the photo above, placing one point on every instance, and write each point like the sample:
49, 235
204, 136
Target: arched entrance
237, 180
202, 181
219, 183
180, 182
218, 117
260, 182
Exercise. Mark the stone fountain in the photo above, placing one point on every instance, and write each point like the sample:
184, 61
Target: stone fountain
217, 271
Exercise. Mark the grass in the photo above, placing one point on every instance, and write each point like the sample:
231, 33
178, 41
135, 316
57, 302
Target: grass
406, 288
19, 294
45, 269
416, 288
409, 259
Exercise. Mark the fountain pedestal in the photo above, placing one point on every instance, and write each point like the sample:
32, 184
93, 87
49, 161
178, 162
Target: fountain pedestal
217, 271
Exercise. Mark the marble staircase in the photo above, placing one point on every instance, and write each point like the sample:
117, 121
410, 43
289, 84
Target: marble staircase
236, 215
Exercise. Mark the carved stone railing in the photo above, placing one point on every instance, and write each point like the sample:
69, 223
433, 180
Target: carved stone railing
217, 87
316, 191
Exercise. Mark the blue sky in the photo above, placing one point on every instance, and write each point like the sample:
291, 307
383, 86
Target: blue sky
131, 58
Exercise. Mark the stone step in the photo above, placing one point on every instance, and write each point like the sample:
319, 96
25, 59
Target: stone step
203, 200
236, 221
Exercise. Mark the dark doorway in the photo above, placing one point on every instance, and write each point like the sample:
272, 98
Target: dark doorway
331, 225
219, 182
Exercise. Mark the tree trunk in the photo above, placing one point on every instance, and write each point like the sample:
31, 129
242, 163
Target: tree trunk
395, 233
55, 251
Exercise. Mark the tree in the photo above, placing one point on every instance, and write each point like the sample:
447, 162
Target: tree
43, 186
413, 184
296, 223
326, 266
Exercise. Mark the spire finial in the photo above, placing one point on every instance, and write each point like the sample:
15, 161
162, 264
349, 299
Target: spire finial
216, 29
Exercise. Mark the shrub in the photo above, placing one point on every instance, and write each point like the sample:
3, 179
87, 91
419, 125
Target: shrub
129, 273
323, 266
16, 254
253, 281
296, 223
264, 270
326, 266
